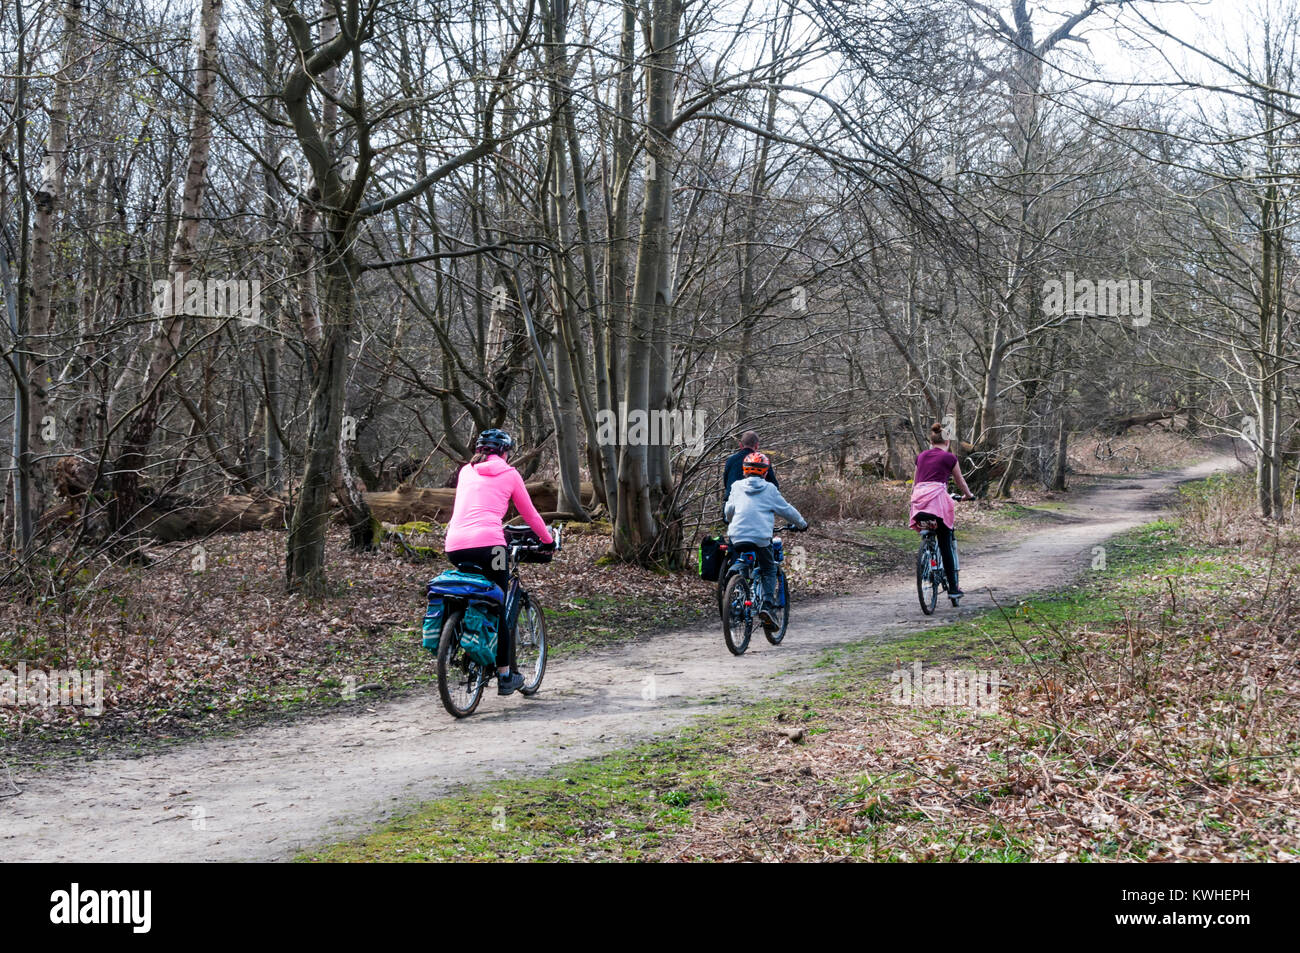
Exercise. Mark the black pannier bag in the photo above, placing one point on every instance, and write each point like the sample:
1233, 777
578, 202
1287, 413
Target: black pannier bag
713, 555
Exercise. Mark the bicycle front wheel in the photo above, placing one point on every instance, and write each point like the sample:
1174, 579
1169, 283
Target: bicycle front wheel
783, 591
926, 590
460, 678
530, 645
737, 617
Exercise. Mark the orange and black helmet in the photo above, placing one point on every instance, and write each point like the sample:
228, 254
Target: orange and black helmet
756, 464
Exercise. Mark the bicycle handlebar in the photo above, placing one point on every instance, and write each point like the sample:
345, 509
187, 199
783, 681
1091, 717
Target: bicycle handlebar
534, 544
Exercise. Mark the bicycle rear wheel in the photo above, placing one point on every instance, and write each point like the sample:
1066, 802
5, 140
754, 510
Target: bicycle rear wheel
738, 618
460, 679
927, 591
530, 645
776, 635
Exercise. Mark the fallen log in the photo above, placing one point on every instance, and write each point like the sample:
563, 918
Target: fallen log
239, 514
408, 504
1117, 426
229, 514
167, 517
174, 518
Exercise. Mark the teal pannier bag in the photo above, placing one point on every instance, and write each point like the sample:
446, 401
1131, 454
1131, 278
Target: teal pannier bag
458, 586
433, 617
478, 631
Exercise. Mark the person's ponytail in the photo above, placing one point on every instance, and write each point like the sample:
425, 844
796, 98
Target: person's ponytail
480, 457
936, 435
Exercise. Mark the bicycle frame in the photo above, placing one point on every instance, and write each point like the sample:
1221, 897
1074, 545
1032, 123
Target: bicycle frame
749, 572
745, 565
515, 589
931, 537
734, 557
514, 593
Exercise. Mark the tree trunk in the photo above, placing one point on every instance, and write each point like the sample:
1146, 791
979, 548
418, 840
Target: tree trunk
1013, 465
748, 252
641, 472
570, 476
328, 317
20, 452
42, 426
1062, 445
603, 455
571, 380
305, 559
165, 353
1267, 400
271, 344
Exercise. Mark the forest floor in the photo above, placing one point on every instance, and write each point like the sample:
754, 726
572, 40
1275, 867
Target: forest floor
271, 792
206, 640
1146, 713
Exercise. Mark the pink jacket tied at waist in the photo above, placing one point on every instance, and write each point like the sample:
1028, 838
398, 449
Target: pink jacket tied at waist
483, 494
932, 498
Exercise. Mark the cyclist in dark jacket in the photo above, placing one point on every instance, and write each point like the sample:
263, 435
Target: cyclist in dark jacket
733, 469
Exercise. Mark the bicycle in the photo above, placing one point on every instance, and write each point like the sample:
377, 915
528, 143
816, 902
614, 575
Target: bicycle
737, 604
930, 572
461, 680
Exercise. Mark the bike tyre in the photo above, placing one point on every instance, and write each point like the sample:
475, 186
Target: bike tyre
776, 635
532, 611
928, 599
736, 632
454, 667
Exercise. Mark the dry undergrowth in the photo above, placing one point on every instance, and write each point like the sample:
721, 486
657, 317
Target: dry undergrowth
1141, 448
1168, 732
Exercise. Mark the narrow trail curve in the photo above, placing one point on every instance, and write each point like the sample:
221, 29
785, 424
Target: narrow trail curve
270, 792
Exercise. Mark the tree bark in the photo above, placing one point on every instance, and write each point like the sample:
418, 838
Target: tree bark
639, 519
43, 430
165, 350
1062, 460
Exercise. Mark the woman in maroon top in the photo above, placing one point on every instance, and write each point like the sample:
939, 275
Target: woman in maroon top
930, 496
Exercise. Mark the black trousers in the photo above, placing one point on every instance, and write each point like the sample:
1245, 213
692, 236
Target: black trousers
484, 559
945, 537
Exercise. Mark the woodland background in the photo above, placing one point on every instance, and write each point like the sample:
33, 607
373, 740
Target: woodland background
832, 223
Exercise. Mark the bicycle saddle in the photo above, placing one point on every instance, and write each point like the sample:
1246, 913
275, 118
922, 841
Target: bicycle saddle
472, 567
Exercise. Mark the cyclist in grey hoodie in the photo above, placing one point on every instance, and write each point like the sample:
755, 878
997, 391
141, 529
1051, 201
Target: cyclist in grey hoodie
751, 510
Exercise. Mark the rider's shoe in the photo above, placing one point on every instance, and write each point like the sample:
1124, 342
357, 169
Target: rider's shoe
767, 615
955, 593
509, 684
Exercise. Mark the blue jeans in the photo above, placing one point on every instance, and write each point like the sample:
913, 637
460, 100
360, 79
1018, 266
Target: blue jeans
766, 568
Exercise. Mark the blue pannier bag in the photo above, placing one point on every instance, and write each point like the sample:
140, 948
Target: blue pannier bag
479, 624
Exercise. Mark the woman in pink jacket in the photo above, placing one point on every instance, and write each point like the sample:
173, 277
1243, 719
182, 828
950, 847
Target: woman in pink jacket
930, 496
485, 488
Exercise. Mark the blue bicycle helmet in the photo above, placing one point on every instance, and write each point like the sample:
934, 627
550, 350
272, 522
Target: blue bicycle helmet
493, 441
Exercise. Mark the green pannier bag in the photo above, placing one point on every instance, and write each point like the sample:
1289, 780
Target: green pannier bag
433, 618
478, 631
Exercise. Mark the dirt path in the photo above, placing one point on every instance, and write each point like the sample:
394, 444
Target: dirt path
266, 794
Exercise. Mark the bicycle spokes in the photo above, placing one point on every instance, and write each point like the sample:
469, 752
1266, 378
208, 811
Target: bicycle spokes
738, 603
